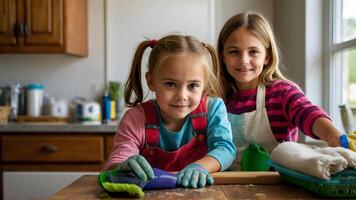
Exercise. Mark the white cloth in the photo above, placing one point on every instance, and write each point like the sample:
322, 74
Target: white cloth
252, 127
321, 162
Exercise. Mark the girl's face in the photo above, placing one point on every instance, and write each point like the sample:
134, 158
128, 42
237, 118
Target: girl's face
178, 83
244, 56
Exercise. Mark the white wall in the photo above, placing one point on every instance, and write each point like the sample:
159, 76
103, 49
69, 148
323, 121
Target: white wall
129, 21
314, 64
227, 8
289, 20
299, 31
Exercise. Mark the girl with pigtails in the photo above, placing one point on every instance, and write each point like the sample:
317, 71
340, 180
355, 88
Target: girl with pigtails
185, 128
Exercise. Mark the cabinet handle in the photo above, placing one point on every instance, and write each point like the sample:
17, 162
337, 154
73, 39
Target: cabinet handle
49, 148
14, 31
25, 30
20, 29
17, 29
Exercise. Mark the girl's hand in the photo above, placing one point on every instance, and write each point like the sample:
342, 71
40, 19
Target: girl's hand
193, 176
138, 165
338, 141
334, 141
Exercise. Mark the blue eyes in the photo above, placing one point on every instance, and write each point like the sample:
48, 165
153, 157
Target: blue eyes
194, 85
236, 52
170, 84
191, 86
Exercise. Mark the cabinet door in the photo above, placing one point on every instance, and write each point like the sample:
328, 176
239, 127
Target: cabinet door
44, 22
7, 22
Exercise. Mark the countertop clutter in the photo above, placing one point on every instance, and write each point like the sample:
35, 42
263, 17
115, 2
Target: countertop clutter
28, 104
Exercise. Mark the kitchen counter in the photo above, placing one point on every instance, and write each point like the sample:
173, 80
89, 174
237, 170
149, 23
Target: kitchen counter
62, 128
87, 188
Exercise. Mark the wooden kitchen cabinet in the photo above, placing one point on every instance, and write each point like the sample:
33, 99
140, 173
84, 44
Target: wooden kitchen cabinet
44, 26
109, 143
66, 152
54, 152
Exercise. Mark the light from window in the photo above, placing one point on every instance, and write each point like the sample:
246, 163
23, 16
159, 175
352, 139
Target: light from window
349, 56
348, 27
349, 76
344, 50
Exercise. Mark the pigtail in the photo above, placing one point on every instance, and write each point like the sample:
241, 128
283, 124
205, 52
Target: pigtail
214, 87
134, 83
214, 58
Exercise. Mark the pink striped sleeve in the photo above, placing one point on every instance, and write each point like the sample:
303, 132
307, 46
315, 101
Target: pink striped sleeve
300, 110
308, 128
129, 138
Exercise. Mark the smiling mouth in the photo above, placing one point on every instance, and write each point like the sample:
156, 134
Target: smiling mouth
244, 70
179, 106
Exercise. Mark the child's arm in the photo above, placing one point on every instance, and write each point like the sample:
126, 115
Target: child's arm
209, 163
129, 138
126, 144
325, 130
221, 149
301, 112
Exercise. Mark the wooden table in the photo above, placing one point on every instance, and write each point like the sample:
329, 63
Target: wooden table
274, 188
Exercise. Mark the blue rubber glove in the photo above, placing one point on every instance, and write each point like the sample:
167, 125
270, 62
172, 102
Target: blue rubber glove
343, 141
193, 176
138, 165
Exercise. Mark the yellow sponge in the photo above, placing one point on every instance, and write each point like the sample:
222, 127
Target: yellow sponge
352, 141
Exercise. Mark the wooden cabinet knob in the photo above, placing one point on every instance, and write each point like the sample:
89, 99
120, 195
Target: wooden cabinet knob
49, 148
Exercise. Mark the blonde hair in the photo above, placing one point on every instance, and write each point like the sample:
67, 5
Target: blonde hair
167, 46
259, 27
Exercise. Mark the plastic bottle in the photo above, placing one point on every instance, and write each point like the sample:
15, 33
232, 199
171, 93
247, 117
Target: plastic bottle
112, 110
34, 99
106, 105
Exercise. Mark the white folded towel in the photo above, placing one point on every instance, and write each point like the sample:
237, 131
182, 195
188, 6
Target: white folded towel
315, 161
348, 154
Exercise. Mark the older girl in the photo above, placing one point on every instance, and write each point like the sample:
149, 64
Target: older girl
263, 106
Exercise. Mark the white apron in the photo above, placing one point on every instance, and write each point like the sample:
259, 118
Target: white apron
252, 127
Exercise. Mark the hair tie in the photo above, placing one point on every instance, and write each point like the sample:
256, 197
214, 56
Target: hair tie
152, 43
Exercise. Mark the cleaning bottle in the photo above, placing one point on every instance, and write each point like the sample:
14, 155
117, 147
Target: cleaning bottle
106, 107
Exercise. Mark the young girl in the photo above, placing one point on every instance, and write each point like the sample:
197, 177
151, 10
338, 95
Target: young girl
182, 129
263, 106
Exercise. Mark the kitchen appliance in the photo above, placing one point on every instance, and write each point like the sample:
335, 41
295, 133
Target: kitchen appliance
88, 112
